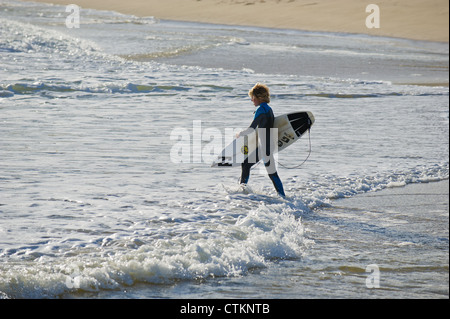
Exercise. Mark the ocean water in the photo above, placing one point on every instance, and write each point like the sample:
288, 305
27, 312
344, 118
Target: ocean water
107, 135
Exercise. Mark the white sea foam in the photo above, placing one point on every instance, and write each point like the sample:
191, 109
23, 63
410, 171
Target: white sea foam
225, 249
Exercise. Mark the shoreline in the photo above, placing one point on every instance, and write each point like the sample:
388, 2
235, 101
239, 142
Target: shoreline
413, 19
408, 192
430, 198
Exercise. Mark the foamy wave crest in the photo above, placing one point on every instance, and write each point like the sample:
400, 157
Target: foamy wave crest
347, 187
219, 250
27, 38
126, 87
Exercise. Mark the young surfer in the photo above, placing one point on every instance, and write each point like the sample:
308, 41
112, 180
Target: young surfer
263, 119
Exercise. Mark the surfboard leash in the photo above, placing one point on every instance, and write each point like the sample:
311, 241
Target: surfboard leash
297, 166
307, 157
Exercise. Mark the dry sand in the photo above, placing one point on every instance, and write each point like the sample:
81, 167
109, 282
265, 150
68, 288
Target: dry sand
411, 19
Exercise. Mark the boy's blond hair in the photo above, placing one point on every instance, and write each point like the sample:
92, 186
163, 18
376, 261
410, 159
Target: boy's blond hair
261, 92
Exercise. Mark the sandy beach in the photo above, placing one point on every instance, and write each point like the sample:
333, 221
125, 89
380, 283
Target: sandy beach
411, 19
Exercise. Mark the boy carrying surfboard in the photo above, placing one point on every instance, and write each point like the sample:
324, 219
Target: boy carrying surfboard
264, 119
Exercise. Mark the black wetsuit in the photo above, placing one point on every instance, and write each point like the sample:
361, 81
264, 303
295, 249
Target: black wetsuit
264, 119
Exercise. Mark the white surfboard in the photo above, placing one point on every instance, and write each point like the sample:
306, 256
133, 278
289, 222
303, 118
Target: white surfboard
290, 127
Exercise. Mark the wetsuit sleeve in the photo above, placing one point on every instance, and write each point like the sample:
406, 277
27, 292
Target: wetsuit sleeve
263, 119
257, 122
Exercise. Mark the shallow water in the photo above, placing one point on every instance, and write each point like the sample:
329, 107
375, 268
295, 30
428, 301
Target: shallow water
95, 201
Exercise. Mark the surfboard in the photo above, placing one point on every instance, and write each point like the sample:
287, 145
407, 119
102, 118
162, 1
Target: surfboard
290, 128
